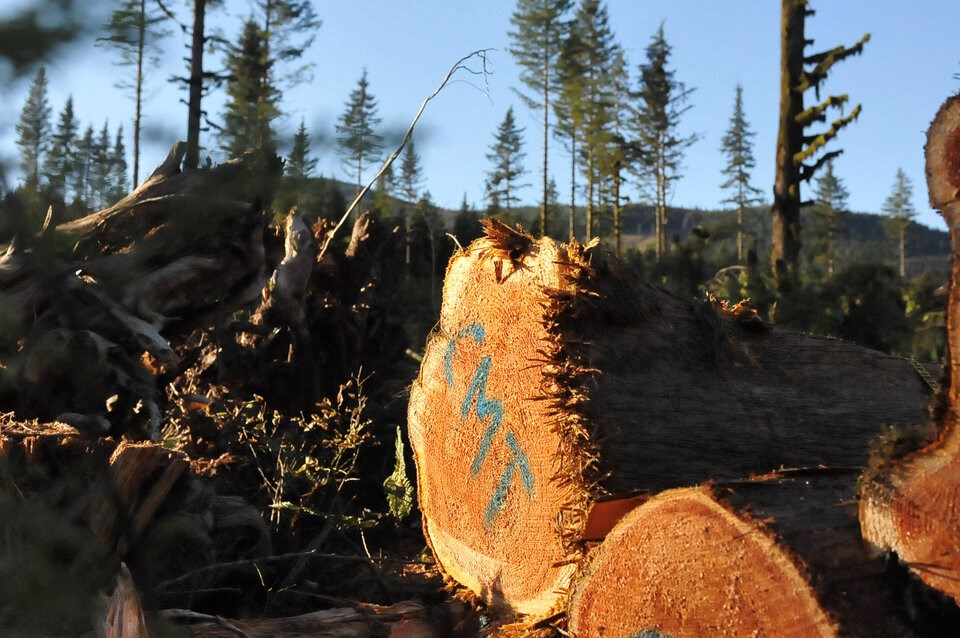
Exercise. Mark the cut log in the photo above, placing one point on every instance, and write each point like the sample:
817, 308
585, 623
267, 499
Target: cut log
911, 505
551, 382
405, 619
774, 556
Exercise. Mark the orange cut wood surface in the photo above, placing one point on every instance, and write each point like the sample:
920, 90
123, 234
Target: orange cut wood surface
683, 565
491, 487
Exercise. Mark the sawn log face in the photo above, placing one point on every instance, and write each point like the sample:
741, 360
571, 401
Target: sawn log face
552, 381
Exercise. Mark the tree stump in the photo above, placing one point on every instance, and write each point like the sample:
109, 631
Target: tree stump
779, 555
554, 379
909, 505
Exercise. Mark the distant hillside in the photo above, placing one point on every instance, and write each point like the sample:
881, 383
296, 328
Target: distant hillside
863, 237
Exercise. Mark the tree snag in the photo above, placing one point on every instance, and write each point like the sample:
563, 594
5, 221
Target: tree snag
910, 505
554, 380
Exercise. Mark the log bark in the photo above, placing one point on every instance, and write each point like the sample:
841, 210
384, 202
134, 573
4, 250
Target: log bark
407, 619
554, 380
911, 505
779, 555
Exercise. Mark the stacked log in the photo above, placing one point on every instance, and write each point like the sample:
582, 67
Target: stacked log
556, 383
778, 555
909, 505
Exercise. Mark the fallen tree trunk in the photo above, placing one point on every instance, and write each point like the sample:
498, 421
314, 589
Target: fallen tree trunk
911, 505
552, 382
407, 619
779, 555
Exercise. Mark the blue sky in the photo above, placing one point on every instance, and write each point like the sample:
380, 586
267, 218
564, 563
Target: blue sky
407, 46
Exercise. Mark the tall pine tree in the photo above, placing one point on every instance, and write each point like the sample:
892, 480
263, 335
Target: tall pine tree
60, 162
800, 73
900, 213
569, 108
251, 104
86, 150
538, 30
299, 168
662, 100
118, 168
33, 130
101, 168
300, 165
411, 173
828, 212
737, 145
135, 32
411, 185
595, 105
359, 143
289, 29
506, 154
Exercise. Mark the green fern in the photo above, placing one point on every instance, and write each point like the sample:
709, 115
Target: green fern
397, 486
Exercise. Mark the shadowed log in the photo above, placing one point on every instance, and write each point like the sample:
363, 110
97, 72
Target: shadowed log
779, 555
552, 381
405, 619
911, 505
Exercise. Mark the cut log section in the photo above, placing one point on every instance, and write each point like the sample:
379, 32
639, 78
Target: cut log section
775, 556
551, 382
406, 619
911, 505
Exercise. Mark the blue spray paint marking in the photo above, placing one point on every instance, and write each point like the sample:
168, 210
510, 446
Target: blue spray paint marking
499, 498
474, 330
492, 408
485, 407
521, 460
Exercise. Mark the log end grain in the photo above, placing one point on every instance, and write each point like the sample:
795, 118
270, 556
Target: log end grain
497, 502
683, 564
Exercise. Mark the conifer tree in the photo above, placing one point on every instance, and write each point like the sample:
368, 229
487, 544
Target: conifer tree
197, 81
86, 149
466, 225
737, 145
60, 162
410, 183
359, 143
662, 100
506, 154
569, 107
300, 165
118, 166
796, 148
33, 130
297, 189
251, 104
620, 151
900, 213
831, 206
538, 30
101, 168
135, 32
289, 29
383, 195
595, 105
411, 173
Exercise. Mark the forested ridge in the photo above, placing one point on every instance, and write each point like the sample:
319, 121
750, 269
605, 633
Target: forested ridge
241, 397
